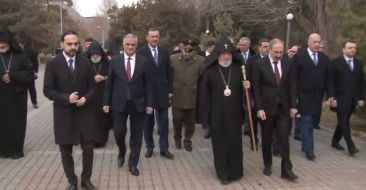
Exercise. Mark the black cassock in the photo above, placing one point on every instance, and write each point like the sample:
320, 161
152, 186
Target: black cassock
224, 115
103, 120
13, 102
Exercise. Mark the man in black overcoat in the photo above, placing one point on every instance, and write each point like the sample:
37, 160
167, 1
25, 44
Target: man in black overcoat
69, 83
346, 89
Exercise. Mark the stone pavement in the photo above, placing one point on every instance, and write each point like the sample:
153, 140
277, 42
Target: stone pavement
41, 167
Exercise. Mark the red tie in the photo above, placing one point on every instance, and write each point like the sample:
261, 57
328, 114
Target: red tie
128, 70
277, 73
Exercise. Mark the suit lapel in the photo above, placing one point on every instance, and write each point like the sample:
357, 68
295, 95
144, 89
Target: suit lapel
120, 67
137, 68
64, 65
77, 68
268, 68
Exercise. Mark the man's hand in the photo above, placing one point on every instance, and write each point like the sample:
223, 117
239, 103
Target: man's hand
246, 84
261, 115
149, 110
361, 103
106, 109
333, 102
98, 78
6, 78
81, 102
293, 113
73, 98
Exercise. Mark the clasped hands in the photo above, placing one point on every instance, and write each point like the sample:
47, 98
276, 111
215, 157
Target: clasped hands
74, 99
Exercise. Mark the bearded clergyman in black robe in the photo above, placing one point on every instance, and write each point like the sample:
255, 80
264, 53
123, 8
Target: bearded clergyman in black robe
16, 75
221, 100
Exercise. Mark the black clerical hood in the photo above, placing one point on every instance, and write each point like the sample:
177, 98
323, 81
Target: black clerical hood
7, 36
223, 44
96, 48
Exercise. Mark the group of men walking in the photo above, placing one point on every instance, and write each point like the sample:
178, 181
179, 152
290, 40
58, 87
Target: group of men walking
141, 85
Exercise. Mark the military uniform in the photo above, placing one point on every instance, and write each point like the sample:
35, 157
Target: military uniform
186, 72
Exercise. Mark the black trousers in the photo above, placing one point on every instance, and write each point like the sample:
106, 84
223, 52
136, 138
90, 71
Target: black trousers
276, 124
136, 129
343, 130
68, 161
33, 92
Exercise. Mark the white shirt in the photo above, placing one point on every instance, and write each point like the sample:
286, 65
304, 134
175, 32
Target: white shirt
132, 62
311, 55
152, 50
68, 58
278, 65
347, 58
245, 55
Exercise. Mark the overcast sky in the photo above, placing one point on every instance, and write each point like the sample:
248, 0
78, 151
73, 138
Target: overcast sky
88, 8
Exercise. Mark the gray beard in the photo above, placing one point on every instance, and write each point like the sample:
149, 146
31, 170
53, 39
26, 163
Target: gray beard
225, 63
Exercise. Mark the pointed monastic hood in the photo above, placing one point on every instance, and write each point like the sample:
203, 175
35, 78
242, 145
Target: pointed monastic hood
223, 44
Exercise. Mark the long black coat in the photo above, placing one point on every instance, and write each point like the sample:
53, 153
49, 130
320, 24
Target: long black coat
311, 81
160, 74
267, 95
225, 116
13, 103
346, 86
72, 124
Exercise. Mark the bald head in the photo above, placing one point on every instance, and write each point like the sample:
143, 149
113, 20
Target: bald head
314, 42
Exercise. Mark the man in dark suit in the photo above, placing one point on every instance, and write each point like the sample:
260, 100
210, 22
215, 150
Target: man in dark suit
128, 93
68, 82
346, 89
310, 70
159, 66
275, 101
263, 48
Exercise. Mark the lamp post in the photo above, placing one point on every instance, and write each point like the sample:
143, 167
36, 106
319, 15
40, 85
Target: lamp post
289, 18
61, 21
102, 31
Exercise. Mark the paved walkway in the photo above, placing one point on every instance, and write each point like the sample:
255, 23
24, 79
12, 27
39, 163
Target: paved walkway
41, 167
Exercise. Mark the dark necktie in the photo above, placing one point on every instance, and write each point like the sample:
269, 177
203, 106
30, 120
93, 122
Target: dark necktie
156, 59
315, 60
71, 66
349, 61
128, 69
277, 73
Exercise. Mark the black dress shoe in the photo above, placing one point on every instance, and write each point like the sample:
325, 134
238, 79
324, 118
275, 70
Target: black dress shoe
224, 181
188, 147
289, 175
310, 156
317, 127
17, 156
35, 106
134, 171
149, 153
121, 161
297, 138
88, 185
353, 151
72, 187
267, 171
337, 146
167, 154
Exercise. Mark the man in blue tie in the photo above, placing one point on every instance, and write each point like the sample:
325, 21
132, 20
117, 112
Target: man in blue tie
159, 66
346, 89
310, 69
